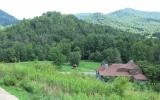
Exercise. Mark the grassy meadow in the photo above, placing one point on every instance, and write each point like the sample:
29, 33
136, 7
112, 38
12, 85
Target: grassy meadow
41, 81
84, 66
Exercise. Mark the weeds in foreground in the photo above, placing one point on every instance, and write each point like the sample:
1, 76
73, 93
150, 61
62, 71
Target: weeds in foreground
43, 82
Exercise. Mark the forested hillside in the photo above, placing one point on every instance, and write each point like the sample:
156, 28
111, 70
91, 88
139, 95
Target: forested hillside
126, 19
54, 37
32, 39
6, 19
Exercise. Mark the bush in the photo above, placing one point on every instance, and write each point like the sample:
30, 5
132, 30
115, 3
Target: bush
156, 87
9, 80
28, 86
120, 85
19, 75
59, 59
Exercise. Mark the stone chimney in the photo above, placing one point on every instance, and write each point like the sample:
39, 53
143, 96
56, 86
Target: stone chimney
131, 62
105, 65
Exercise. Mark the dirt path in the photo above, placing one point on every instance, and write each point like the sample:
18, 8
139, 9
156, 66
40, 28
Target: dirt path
4, 95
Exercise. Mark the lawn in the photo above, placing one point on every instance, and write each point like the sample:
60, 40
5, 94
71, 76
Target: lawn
84, 66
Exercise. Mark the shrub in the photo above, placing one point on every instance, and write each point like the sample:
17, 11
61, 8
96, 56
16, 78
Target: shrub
156, 87
59, 59
120, 85
28, 86
19, 75
9, 80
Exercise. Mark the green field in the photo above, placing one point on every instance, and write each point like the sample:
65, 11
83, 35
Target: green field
41, 81
84, 66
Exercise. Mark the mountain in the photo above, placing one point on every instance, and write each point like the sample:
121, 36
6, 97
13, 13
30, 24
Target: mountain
82, 15
32, 39
54, 37
7, 19
127, 20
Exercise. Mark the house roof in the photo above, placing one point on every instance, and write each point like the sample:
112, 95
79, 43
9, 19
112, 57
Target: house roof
121, 70
112, 71
101, 68
140, 77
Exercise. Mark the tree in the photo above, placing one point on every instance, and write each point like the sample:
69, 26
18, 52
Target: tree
96, 56
156, 54
139, 51
74, 58
21, 52
117, 56
77, 49
57, 57
9, 55
34, 38
112, 55
150, 70
65, 46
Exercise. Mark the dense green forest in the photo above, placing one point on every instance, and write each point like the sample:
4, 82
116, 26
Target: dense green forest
59, 38
6, 19
126, 19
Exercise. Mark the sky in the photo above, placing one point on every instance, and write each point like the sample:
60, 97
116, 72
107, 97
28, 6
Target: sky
31, 8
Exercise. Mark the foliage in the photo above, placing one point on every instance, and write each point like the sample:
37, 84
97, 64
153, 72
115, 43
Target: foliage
32, 39
65, 47
54, 36
57, 57
48, 84
74, 58
151, 70
97, 56
155, 86
127, 19
77, 49
9, 80
112, 55
120, 85
28, 86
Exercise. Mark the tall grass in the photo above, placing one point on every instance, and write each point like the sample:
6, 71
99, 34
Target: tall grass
43, 82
